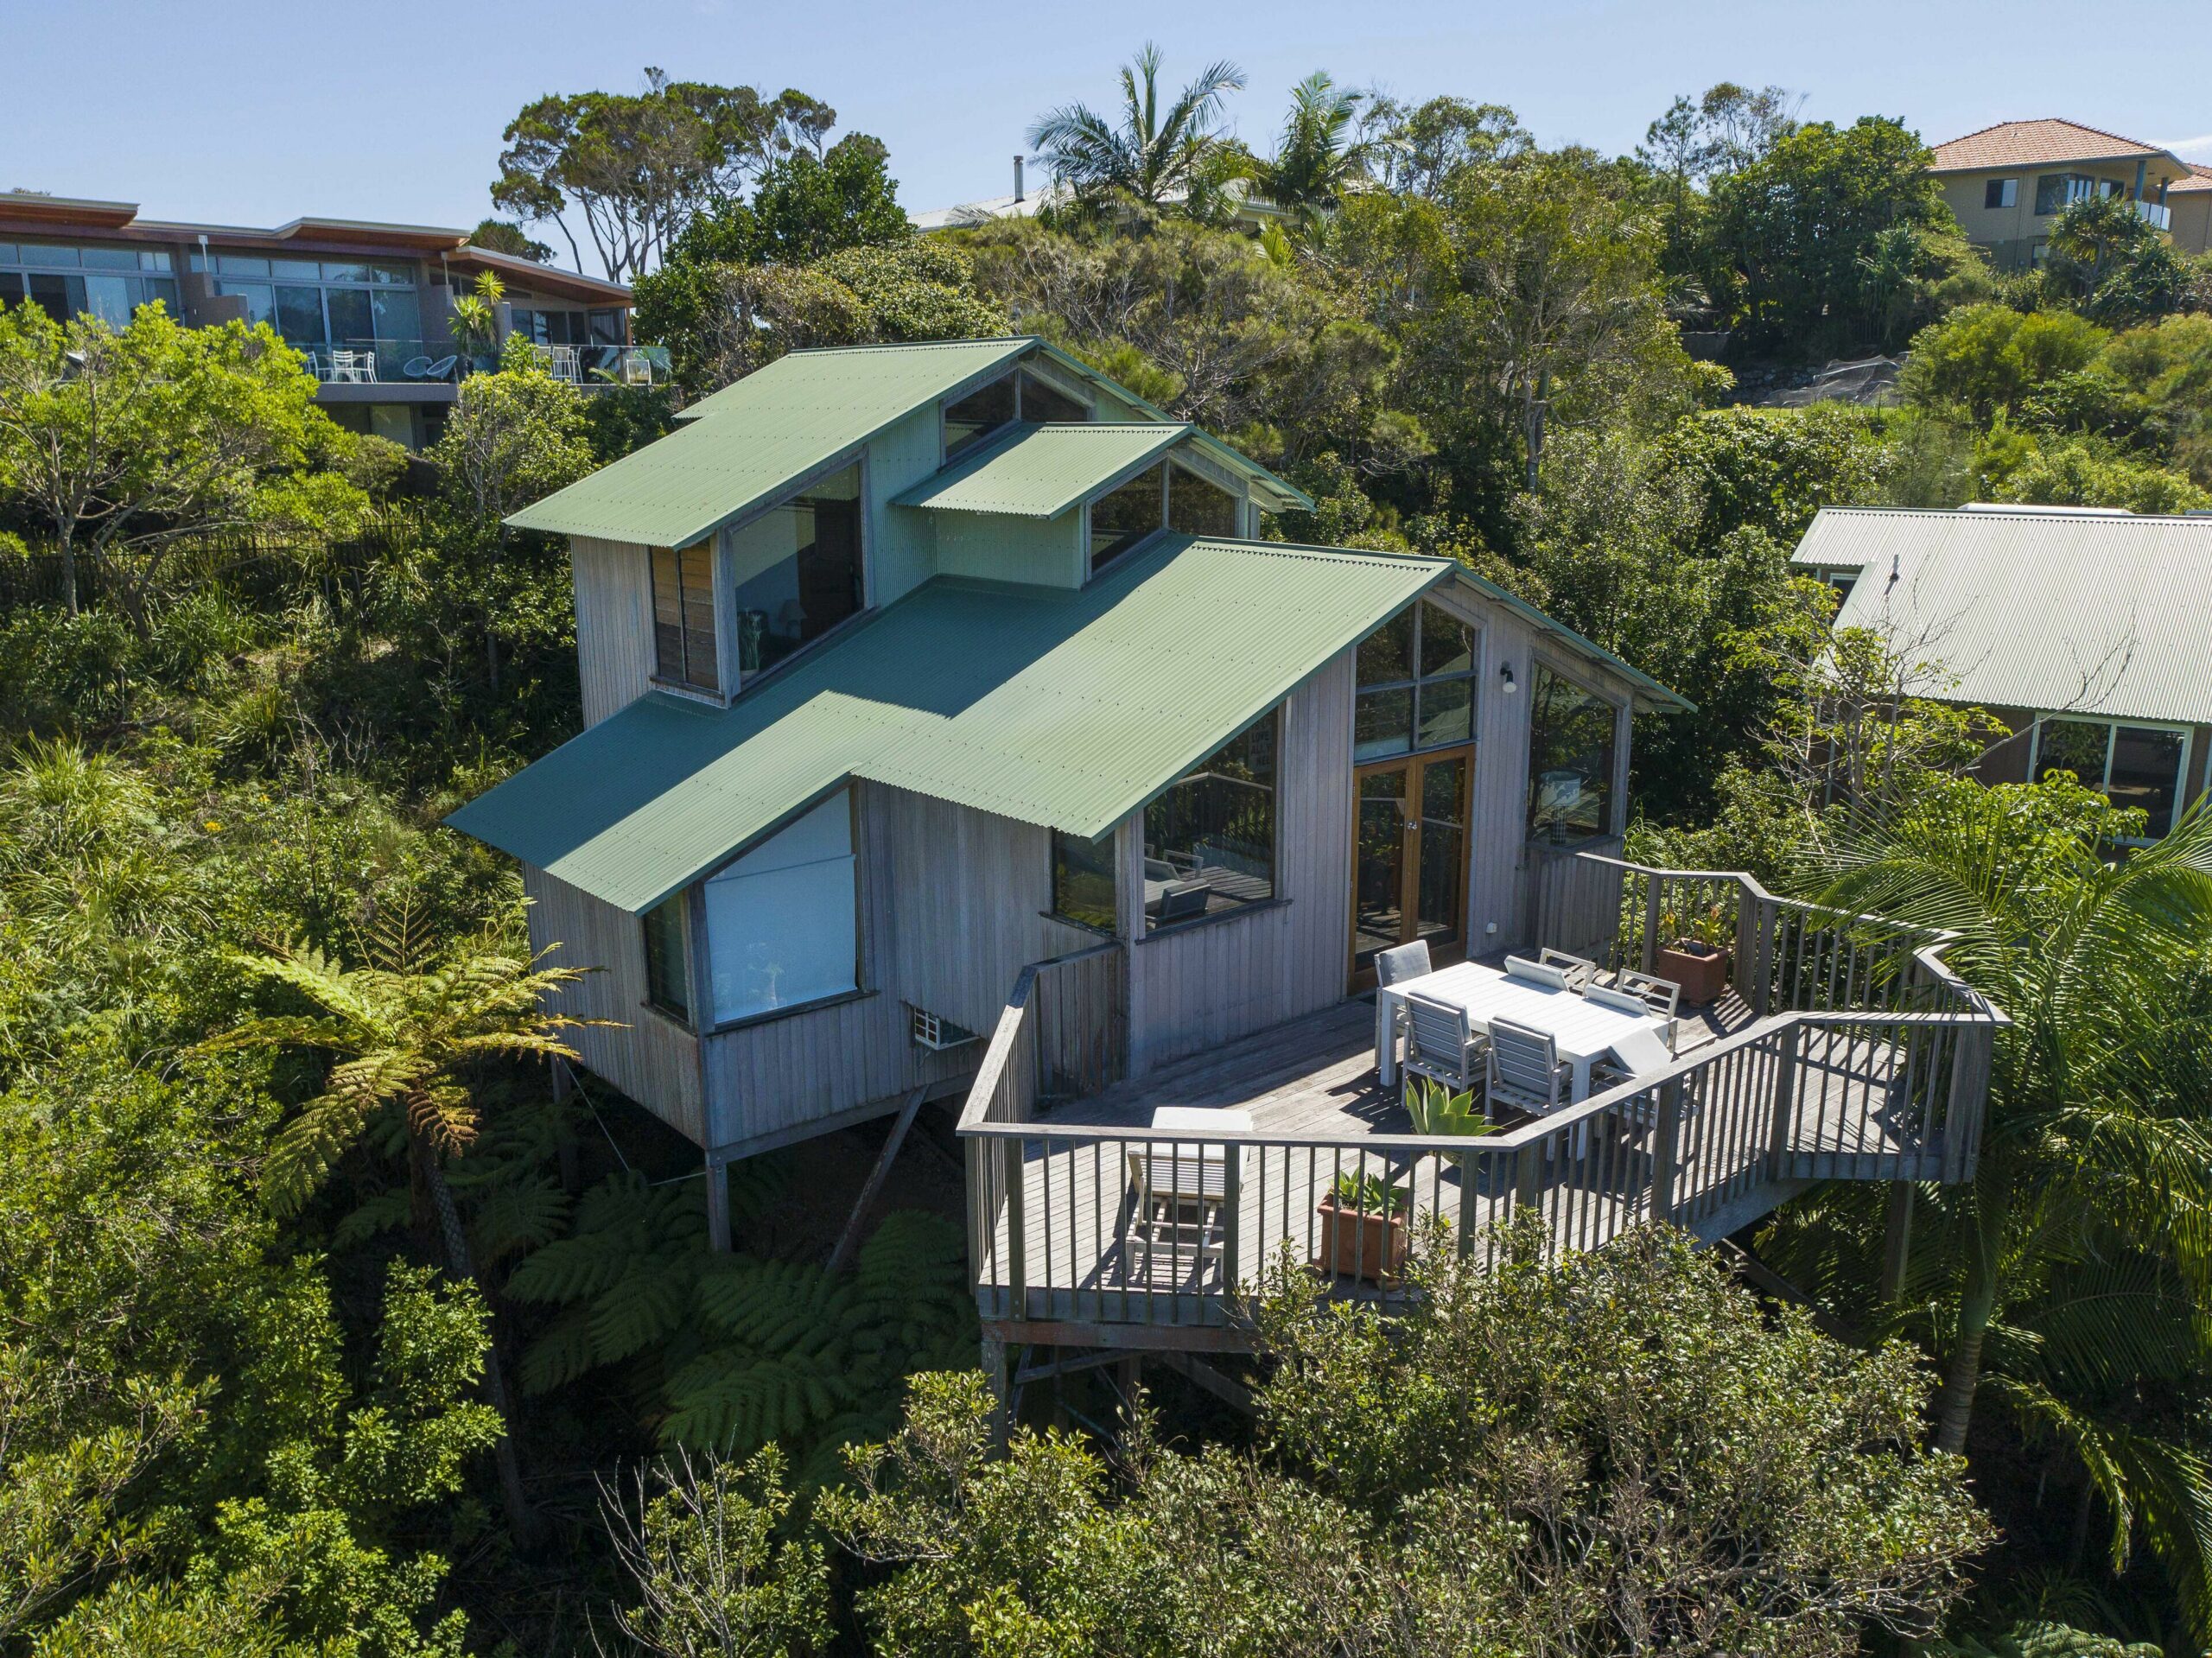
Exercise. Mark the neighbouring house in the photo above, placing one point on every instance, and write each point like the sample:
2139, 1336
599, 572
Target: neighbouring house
2008, 183
372, 305
906, 667
2190, 203
2081, 629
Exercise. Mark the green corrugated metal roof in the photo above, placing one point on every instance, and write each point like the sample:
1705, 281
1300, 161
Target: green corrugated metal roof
1068, 708
1039, 472
767, 430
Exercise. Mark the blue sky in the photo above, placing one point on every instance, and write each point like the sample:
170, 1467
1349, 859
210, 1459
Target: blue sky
248, 113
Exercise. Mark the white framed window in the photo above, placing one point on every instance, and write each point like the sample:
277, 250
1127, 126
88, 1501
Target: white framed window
2130, 763
783, 924
2001, 192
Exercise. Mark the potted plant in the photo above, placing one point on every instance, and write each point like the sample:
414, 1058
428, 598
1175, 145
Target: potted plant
1698, 959
1362, 1227
1435, 1109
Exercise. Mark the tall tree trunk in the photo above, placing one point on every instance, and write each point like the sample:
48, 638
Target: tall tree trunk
69, 572
1976, 1305
522, 1520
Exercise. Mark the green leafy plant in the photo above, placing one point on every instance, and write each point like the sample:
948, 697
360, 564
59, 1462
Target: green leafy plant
1436, 1109
1368, 1194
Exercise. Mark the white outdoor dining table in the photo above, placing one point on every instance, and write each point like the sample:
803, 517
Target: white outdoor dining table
1584, 1031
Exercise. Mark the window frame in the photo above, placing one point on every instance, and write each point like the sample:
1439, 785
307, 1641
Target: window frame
1090, 561
1112, 842
1616, 802
2113, 723
2000, 195
725, 590
1175, 464
1471, 676
1150, 927
679, 905
681, 683
701, 955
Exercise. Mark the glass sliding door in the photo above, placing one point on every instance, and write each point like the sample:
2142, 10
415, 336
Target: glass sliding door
1409, 857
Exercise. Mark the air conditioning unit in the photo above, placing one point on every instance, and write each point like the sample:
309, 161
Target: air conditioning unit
935, 1032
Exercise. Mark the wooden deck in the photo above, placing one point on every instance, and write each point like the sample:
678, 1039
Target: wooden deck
1089, 1272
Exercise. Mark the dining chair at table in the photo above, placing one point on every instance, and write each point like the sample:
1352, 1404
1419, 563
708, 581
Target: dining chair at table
1660, 997
1524, 1070
1403, 962
1579, 970
1529, 971
1441, 1043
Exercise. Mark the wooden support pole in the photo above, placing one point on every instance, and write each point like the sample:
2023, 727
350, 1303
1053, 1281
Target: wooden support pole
1897, 1239
718, 1237
847, 1239
1665, 1155
1001, 1385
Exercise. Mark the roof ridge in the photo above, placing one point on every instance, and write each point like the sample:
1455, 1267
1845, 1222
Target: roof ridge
2052, 120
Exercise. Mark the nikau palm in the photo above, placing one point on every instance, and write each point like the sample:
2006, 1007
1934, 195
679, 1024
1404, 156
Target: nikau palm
403, 1034
2075, 1270
1317, 159
1154, 156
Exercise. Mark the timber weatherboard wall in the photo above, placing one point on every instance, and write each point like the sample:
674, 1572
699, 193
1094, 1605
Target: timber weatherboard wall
1211, 981
648, 1056
952, 905
614, 624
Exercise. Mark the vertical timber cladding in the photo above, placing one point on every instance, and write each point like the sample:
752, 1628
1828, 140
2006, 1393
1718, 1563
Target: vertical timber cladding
648, 1056
1219, 980
615, 623
952, 908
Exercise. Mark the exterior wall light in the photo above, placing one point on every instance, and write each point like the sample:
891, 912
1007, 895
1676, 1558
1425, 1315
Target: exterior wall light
1505, 669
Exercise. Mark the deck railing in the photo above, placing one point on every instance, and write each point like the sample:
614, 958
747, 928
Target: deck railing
1871, 1063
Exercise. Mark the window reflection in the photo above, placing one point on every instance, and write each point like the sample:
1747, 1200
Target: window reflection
796, 570
1570, 761
1210, 839
1125, 516
1399, 709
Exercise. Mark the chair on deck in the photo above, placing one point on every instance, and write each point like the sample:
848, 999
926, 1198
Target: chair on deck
1182, 900
1524, 1072
1660, 997
1441, 1044
1579, 970
1537, 973
1404, 962
1179, 1193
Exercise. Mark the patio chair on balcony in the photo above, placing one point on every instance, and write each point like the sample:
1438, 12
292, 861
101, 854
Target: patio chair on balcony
566, 364
1179, 1197
1441, 1044
1524, 1070
356, 367
1579, 970
1660, 997
637, 368
1182, 900
1538, 973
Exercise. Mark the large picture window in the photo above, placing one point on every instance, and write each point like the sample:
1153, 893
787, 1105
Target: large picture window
684, 616
1416, 684
1196, 507
782, 920
1124, 517
668, 960
1570, 761
2136, 766
977, 416
110, 283
1085, 890
1210, 839
796, 571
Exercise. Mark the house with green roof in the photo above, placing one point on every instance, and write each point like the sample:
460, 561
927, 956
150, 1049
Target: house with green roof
908, 668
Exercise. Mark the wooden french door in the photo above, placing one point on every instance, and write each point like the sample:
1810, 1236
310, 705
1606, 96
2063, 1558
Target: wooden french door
1409, 857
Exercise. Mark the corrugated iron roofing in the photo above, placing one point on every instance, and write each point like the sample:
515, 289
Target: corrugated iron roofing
750, 440
2035, 144
2026, 609
1039, 471
1067, 707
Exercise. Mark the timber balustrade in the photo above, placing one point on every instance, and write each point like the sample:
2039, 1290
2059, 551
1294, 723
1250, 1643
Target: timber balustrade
1867, 1058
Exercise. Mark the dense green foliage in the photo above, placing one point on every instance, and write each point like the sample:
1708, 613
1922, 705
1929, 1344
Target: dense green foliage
288, 1198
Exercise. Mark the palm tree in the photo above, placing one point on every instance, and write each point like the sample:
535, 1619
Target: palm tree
2073, 1275
1153, 155
1317, 158
402, 1033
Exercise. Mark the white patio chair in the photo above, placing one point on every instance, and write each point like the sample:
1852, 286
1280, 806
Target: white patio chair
1524, 1072
1660, 997
1405, 962
637, 368
1180, 1190
566, 364
1579, 970
1540, 972
1440, 1043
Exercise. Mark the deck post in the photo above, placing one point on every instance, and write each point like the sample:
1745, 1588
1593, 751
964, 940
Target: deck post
1528, 1182
1665, 1156
1785, 1101
1001, 1385
1897, 1239
1232, 1216
718, 1238
1651, 952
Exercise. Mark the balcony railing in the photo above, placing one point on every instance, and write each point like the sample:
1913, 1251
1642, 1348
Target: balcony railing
420, 362
1869, 1059
2160, 216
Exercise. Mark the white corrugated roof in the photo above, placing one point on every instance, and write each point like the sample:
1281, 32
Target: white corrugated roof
2036, 609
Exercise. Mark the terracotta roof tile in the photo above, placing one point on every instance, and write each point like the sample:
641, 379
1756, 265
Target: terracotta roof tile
2036, 143
2200, 178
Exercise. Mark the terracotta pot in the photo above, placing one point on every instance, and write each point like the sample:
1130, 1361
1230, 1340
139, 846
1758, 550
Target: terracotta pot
1700, 969
1361, 1245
